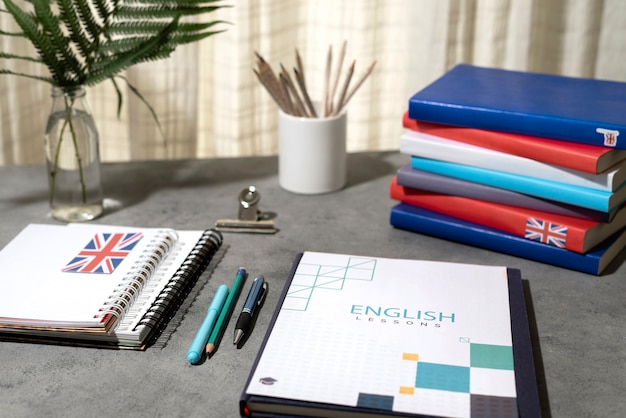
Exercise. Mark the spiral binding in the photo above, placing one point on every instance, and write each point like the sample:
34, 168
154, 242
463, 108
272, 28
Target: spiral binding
125, 295
180, 284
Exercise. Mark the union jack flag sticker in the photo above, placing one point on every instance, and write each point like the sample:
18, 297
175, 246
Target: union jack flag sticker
103, 253
546, 232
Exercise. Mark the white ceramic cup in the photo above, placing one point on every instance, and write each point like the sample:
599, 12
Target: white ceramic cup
312, 153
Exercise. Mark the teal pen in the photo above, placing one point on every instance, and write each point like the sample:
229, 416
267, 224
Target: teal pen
227, 310
199, 343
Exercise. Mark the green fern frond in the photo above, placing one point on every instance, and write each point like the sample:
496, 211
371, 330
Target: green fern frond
33, 77
20, 57
69, 14
84, 42
162, 11
115, 64
30, 27
88, 20
60, 44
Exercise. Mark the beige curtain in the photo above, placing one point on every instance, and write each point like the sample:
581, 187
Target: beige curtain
210, 104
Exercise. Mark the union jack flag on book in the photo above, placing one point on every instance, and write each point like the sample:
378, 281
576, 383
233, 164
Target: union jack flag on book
104, 253
546, 232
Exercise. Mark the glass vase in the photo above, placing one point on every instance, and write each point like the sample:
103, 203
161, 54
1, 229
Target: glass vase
73, 158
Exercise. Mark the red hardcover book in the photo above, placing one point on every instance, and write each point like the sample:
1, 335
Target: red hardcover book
578, 156
573, 234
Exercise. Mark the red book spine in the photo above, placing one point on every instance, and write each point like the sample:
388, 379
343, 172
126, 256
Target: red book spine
573, 155
558, 230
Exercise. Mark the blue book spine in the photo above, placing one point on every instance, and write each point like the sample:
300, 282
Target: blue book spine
423, 221
571, 109
566, 193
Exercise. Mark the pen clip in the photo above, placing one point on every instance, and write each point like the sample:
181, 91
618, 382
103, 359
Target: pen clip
262, 294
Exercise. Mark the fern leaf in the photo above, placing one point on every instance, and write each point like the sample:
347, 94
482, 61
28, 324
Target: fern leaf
69, 15
162, 11
116, 64
4, 55
31, 76
88, 21
50, 23
137, 93
42, 44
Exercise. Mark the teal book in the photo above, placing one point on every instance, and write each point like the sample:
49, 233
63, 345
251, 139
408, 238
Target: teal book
599, 200
582, 110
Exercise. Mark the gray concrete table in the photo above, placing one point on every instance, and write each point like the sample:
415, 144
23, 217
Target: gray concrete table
579, 336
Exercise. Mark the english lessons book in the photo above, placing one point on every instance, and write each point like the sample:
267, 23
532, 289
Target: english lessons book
596, 261
573, 234
584, 110
442, 149
363, 336
419, 179
99, 285
562, 192
588, 158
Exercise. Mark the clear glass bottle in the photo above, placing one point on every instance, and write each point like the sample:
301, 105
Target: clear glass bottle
73, 158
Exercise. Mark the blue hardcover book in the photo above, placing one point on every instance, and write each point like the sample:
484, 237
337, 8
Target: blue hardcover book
571, 109
423, 221
424, 180
566, 193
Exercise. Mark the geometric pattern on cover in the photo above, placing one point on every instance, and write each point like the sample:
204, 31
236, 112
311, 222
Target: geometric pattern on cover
368, 400
485, 361
493, 406
310, 277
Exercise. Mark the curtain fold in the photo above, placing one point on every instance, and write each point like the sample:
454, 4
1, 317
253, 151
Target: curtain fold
210, 104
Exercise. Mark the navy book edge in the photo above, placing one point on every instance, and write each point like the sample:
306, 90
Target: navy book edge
412, 218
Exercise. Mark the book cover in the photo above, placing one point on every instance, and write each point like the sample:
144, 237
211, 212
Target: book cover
359, 336
415, 219
587, 111
588, 158
561, 192
419, 179
570, 233
437, 148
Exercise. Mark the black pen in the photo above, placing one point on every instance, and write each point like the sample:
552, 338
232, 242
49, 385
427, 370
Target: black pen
255, 298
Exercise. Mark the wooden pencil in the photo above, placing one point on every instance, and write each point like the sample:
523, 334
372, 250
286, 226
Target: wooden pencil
325, 92
344, 90
338, 70
305, 93
290, 105
300, 67
358, 84
267, 74
299, 104
295, 99
270, 91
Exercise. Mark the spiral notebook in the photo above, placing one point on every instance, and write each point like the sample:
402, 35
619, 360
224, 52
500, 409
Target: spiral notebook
100, 285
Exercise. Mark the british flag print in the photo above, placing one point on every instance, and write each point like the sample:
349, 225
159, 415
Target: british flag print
104, 253
546, 232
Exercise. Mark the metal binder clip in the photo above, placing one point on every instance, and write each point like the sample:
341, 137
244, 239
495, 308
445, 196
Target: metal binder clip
248, 204
251, 219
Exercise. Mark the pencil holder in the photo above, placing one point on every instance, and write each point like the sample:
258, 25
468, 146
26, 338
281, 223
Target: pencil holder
311, 153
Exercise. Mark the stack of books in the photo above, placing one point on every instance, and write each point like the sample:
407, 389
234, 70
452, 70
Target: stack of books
523, 163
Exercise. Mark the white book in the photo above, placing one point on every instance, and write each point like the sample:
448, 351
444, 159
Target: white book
437, 148
369, 336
